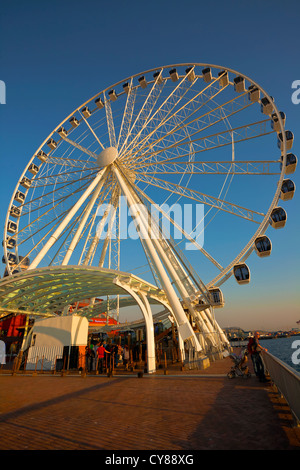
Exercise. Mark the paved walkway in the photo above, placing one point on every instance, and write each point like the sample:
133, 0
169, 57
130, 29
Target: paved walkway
191, 410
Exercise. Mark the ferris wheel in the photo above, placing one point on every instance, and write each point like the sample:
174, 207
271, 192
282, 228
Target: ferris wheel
179, 152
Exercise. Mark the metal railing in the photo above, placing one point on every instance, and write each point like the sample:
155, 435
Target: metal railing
286, 380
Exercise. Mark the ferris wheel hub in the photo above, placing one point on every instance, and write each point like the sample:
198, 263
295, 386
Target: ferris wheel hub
107, 156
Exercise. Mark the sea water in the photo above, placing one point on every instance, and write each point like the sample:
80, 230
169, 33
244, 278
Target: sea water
286, 349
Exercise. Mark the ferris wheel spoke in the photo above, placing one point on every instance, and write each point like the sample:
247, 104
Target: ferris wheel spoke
110, 122
243, 133
79, 147
242, 167
46, 199
219, 204
91, 130
70, 162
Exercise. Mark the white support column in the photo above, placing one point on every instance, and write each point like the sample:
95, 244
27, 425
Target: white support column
144, 305
180, 340
66, 220
183, 325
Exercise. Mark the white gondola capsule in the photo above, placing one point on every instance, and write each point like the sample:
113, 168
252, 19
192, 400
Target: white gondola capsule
241, 273
10, 243
289, 136
112, 95
206, 74
263, 246
52, 144
291, 163
11, 227
223, 78
287, 190
253, 93
25, 182
158, 77
239, 84
278, 217
33, 169
216, 297
142, 82
275, 121
62, 132
126, 88
86, 112
174, 75
74, 122
19, 196
99, 103
190, 71
15, 211
42, 156
266, 106
11, 258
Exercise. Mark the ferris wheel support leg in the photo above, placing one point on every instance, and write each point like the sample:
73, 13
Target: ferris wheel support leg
173, 270
66, 220
184, 326
144, 305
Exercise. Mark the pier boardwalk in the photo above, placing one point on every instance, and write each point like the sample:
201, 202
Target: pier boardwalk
181, 410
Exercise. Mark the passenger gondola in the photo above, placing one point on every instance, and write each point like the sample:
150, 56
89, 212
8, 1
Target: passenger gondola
142, 82
206, 74
263, 246
99, 103
275, 124
216, 297
287, 190
253, 93
158, 77
74, 122
224, 80
266, 105
174, 75
52, 144
42, 156
289, 136
19, 196
190, 74
239, 84
112, 95
25, 182
11, 227
241, 273
291, 163
86, 112
33, 169
278, 217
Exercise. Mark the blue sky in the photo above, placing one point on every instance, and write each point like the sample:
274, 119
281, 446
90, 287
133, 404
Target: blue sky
55, 55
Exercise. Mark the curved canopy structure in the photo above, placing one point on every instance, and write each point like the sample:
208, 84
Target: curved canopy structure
48, 291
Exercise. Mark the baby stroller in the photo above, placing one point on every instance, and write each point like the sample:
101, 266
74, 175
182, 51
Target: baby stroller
239, 367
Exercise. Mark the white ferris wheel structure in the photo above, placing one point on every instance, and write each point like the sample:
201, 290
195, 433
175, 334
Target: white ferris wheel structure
177, 137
